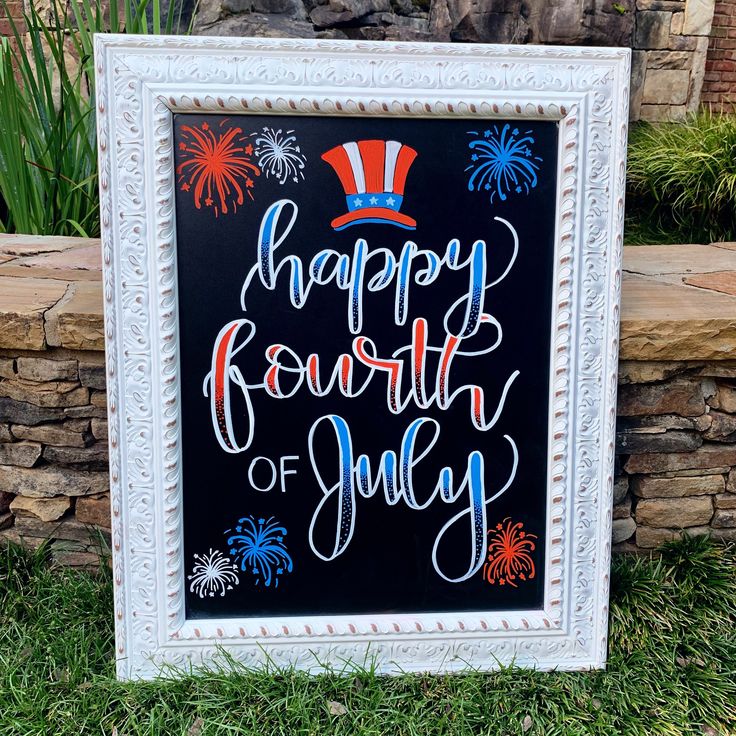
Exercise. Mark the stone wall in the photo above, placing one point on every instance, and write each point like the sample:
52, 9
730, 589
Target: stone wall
675, 453
719, 87
669, 37
676, 441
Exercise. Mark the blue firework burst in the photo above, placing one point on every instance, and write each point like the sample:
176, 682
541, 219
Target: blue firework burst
502, 162
259, 548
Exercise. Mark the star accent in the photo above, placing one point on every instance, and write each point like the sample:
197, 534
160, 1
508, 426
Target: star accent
205, 126
185, 187
248, 149
390, 201
358, 202
208, 202
373, 200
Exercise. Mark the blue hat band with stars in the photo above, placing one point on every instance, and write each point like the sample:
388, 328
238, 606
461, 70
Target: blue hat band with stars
387, 200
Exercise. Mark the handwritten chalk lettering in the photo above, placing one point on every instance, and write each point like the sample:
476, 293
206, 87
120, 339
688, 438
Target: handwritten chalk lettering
469, 331
414, 265
286, 373
283, 472
344, 479
271, 471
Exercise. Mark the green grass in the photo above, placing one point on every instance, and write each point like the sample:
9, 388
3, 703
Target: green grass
671, 671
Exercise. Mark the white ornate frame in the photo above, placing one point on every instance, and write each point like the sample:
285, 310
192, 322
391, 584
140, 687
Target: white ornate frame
140, 82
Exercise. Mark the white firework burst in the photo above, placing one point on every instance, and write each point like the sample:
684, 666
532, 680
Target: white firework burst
213, 573
279, 155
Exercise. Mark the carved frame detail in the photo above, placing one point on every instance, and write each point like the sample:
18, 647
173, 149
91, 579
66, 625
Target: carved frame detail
140, 82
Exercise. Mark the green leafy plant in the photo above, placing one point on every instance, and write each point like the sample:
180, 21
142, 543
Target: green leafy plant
48, 148
682, 180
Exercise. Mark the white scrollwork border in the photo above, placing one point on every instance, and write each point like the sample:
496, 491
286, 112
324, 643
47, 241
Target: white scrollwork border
140, 81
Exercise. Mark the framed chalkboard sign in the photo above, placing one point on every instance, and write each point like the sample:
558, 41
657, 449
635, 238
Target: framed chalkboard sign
362, 319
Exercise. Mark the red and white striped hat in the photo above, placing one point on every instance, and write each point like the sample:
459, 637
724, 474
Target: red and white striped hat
373, 174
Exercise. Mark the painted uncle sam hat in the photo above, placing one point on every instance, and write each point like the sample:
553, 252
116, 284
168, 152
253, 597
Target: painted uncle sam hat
373, 174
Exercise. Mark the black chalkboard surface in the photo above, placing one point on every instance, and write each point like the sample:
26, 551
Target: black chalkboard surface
364, 315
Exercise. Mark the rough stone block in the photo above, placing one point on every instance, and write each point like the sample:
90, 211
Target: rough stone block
662, 423
644, 486
46, 482
724, 535
92, 375
24, 454
6, 521
88, 412
652, 29
61, 556
99, 399
622, 510
5, 435
698, 73
674, 513
22, 412
50, 394
43, 369
63, 434
622, 529
638, 73
68, 530
23, 303
76, 321
722, 426
628, 443
698, 17
721, 470
673, 6
678, 396
7, 368
669, 60
724, 518
724, 398
725, 501
99, 429
645, 371
94, 457
683, 43
94, 510
620, 489
676, 24
666, 87
45, 509
648, 537
339, 12
707, 456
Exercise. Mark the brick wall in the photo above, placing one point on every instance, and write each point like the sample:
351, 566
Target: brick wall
14, 11
719, 86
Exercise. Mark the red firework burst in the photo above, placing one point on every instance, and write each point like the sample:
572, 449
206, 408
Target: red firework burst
509, 554
216, 166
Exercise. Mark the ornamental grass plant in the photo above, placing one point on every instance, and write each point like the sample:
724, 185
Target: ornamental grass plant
48, 144
681, 180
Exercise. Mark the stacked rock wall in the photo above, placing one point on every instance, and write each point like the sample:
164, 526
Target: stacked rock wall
53, 452
676, 452
669, 37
